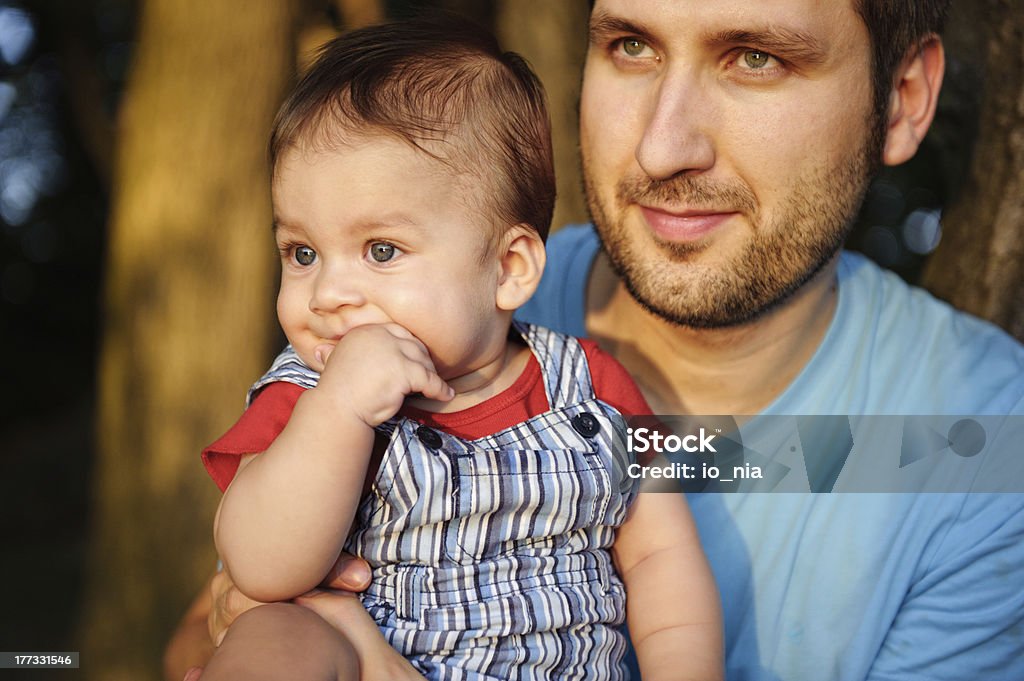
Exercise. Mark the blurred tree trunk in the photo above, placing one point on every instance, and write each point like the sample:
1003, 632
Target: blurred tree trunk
188, 310
979, 266
480, 11
552, 36
317, 27
359, 13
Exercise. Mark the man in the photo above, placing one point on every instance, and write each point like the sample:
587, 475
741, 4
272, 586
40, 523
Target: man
727, 146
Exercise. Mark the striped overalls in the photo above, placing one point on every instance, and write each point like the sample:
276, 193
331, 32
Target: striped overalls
490, 557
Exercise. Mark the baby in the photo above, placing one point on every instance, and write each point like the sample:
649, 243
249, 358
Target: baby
476, 464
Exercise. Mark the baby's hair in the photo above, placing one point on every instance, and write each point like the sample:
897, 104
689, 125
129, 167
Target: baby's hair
443, 85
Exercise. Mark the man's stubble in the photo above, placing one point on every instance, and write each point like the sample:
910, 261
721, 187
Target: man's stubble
783, 252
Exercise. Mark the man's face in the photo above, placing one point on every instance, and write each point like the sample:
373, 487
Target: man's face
726, 147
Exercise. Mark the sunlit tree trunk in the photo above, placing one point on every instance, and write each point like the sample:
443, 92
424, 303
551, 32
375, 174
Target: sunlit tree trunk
979, 266
552, 36
188, 310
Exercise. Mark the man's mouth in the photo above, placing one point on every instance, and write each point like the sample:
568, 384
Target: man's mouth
684, 225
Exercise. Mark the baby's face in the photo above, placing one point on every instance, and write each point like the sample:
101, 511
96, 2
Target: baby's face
377, 232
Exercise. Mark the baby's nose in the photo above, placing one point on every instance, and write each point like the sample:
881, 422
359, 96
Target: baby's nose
336, 289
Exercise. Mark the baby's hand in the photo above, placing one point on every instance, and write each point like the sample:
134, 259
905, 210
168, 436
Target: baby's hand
374, 367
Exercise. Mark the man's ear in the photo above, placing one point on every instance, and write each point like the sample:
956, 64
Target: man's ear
913, 100
521, 261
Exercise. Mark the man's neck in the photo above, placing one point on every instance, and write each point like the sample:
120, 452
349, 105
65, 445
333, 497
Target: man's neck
734, 371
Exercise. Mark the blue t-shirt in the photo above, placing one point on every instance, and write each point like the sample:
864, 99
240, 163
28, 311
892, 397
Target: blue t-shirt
856, 585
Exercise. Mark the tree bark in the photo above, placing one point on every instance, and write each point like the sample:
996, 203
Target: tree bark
552, 36
188, 310
978, 266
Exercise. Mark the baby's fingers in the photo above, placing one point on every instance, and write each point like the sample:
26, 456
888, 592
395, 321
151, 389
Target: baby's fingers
321, 353
402, 333
425, 381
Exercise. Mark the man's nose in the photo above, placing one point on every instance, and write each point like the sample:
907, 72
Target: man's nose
336, 287
677, 139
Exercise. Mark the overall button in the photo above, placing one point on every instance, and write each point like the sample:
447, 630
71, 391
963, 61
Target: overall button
585, 424
429, 437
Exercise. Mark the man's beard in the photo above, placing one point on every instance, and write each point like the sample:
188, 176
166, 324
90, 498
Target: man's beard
783, 252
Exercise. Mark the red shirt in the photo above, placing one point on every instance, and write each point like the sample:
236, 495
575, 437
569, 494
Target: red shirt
269, 412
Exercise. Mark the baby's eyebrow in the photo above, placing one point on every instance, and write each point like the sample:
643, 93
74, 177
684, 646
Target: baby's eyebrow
288, 232
393, 221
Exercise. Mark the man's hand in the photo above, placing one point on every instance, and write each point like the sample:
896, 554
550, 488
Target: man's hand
228, 603
378, 661
338, 607
374, 367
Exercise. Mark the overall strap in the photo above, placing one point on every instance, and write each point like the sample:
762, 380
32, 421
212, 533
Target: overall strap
563, 365
287, 368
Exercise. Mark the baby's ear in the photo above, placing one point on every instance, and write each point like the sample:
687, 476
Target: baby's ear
521, 258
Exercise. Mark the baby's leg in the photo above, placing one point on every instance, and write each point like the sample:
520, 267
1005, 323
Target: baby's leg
282, 642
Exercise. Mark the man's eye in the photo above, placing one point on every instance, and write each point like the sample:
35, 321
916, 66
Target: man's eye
305, 256
756, 59
633, 47
381, 251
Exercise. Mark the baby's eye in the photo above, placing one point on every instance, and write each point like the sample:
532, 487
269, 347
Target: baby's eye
382, 251
304, 255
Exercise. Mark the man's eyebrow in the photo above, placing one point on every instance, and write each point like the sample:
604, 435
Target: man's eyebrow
604, 25
784, 42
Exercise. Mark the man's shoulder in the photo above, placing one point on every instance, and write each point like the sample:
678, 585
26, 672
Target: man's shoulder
571, 251
919, 346
571, 236
912, 315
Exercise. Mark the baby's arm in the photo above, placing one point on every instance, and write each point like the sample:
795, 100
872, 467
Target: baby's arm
672, 606
286, 515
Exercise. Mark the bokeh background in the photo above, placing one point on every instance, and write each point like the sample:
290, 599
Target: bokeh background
137, 270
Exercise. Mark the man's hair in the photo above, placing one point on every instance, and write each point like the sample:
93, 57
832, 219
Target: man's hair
443, 85
895, 28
